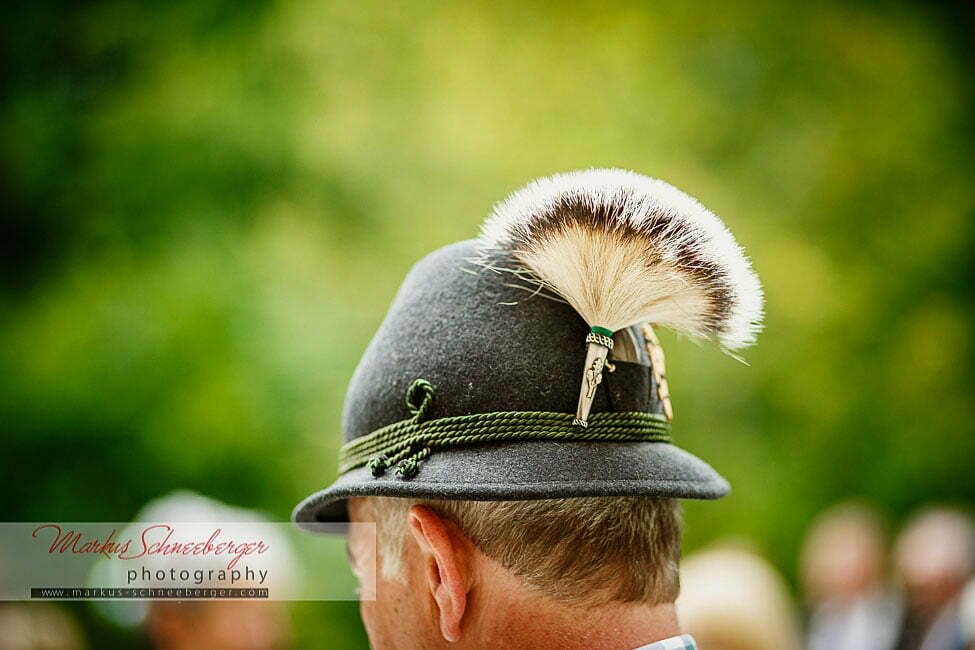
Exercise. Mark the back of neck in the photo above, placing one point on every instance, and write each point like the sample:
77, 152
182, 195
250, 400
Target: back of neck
539, 622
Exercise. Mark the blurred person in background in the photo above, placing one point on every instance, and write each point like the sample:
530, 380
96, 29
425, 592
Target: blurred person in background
34, 625
935, 558
967, 614
732, 599
217, 625
208, 624
38, 626
843, 572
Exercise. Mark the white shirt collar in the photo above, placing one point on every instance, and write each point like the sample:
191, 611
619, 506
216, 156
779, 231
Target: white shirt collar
682, 642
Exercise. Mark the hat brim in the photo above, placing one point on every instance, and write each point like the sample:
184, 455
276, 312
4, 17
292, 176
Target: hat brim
529, 470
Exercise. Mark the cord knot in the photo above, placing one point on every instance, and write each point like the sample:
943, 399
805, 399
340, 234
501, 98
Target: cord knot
408, 467
378, 464
419, 399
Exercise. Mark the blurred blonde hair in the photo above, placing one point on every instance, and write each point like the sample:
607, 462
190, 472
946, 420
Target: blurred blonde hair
731, 599
590, 549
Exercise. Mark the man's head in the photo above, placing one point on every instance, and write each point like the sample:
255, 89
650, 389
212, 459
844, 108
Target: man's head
531, 460
457, 570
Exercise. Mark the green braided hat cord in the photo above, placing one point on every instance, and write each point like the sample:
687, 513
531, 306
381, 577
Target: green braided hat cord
404, 444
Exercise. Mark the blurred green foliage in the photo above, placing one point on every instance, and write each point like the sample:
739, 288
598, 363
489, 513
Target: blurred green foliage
207, 207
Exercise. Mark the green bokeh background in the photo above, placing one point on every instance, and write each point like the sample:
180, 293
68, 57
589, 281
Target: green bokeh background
208, 205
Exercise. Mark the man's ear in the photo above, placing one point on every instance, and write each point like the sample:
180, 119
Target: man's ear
446, 562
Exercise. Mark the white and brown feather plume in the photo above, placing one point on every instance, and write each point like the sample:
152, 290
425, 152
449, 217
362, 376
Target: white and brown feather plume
624, 249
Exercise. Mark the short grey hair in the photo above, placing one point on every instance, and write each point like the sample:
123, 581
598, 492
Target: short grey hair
584, 549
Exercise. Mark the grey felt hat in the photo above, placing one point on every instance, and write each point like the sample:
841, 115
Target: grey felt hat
470, 389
